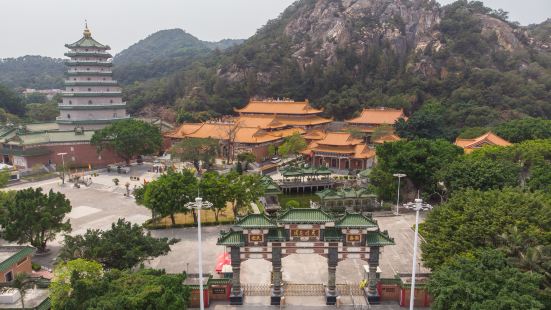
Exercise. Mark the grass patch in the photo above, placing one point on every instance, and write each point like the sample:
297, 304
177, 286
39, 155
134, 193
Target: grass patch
302, 199
207, 217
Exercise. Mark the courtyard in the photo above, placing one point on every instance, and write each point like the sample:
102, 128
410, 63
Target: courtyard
103, 202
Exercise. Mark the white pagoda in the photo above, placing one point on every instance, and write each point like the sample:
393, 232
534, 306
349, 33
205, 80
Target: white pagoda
92, 99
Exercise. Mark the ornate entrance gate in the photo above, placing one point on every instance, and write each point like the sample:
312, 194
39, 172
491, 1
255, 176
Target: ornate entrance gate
304, 231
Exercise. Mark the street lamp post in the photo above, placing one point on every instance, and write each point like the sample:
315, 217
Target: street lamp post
399, 176
198, 205
63, 167
418, 205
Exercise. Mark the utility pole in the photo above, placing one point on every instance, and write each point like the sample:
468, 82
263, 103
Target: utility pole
63, 167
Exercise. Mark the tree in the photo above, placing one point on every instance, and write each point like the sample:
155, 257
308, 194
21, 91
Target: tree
428, 122
196, 150
11, 102
42, 112
479, 173
123, 246
420, 160
22, 284
128, 138
4, 177
271, 150
115, 289
524, 129
244, 189
215, 189
292, 145
86, 271
473, 219
168, 194
382, 131
35, 217
483, 280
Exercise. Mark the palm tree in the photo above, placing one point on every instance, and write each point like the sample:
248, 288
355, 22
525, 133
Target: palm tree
22, 284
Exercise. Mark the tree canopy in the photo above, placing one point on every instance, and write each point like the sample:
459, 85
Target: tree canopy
243, 189
167, 195
35, 217
115, 289
123, 246
419, 159
292, 145
483, 280
196, 150
129, 138
87, 271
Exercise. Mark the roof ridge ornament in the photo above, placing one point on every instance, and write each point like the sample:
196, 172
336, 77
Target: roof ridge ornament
86, 33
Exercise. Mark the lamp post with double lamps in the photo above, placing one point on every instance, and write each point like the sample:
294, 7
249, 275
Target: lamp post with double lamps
399, 176
198, 205
418, 205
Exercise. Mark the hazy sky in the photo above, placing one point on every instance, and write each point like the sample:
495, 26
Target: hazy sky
42, 27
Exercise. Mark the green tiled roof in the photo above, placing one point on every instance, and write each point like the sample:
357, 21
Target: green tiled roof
18, 254
277, 234
88, 121
305, 216
231, 238
332, 234
345, 193
52, 137
44, 305
88, 54
91, 83
218, 281
255, 221
87, 42
41, 127
92, 107
78, 73
377, 238
355, 220
291, 171
93, 63
93, 94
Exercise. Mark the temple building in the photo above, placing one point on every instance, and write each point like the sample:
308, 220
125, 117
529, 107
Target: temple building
489, 138
370, 119
236, 137
341, 151
92, 99
259, 125
288, 112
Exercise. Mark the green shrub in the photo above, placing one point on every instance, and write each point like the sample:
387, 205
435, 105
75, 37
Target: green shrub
292, 204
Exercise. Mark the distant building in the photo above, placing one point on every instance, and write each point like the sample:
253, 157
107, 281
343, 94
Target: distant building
372, 118
259, 125
14, 260
92, 99
341, 151
489, 138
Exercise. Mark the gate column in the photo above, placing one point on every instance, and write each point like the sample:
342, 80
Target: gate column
236, 295
277, 291
372, 293
331, 290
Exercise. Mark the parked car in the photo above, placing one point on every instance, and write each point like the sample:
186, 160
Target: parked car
275, 160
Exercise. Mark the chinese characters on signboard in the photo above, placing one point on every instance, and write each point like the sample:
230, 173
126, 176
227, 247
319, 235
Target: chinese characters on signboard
305, 233
255, 238
353, 238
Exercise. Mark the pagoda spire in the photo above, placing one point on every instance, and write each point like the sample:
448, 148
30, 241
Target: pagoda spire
87, 33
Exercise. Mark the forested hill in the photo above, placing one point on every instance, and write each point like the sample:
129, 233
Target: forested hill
32, 72
162, 53
343, 55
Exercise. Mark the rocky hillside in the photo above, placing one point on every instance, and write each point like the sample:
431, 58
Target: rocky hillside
347, 54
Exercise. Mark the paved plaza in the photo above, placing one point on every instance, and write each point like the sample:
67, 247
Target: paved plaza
102, 203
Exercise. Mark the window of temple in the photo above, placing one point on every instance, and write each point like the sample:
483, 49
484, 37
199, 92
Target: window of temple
89, 101
70, 102
69, 116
